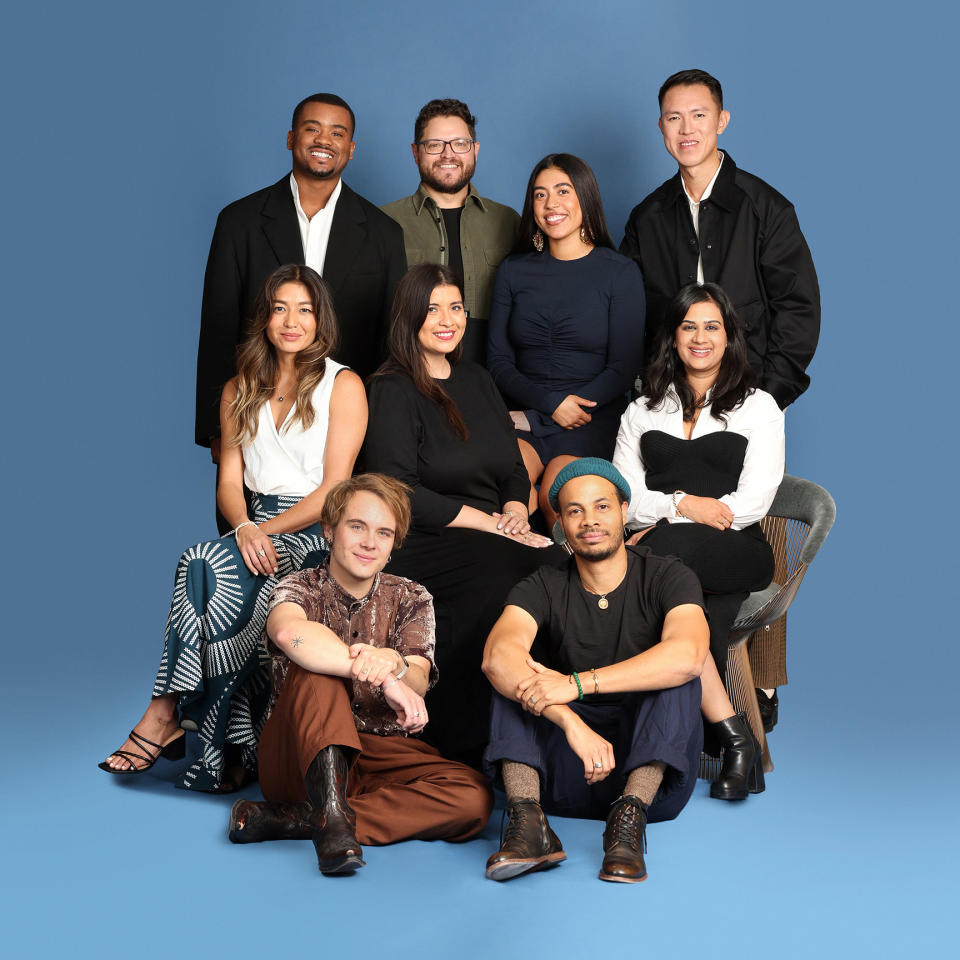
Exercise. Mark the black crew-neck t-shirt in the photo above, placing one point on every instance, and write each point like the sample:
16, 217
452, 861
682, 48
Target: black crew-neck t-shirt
574, 633
451, 221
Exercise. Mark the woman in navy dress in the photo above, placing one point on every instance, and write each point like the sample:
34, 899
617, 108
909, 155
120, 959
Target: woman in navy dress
566, 325
703, 452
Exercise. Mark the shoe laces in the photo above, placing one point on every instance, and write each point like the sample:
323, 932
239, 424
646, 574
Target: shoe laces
515, 815
629, 824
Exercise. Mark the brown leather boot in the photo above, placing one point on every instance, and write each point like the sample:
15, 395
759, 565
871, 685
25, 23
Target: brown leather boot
527, 844
335, 833
625, 842
252, 821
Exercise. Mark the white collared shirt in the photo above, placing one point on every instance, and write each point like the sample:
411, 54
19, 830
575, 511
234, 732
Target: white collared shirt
758, 418
695, 210
315, 230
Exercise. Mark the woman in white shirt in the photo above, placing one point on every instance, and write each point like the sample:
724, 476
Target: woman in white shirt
292, 422
703, 452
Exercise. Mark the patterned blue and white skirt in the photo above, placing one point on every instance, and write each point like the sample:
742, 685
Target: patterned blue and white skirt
213, 653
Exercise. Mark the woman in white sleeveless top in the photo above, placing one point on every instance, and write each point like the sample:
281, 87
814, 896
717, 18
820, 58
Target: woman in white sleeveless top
292, 423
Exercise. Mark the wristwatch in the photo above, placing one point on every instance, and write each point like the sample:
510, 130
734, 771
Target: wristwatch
406, 666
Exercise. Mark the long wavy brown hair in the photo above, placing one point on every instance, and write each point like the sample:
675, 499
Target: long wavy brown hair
410, 305
257, 366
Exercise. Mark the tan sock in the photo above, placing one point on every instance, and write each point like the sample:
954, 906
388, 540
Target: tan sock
644, 782
520, 782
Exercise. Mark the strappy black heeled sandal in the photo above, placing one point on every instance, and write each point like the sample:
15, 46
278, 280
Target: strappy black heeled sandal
174, 749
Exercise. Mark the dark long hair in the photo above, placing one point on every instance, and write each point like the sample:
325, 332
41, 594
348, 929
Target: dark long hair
735, 380
257, 364
409, 313
588, 193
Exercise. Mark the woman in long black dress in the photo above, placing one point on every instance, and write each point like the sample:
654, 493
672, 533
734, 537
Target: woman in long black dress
703, 452
440, 425
566, 324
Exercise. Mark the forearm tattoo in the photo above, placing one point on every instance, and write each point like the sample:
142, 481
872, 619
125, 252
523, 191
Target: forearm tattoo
297, 640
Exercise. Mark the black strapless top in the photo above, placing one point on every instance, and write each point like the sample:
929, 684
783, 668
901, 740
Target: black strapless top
707, 466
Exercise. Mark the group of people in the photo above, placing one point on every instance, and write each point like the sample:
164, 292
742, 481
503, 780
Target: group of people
487, 533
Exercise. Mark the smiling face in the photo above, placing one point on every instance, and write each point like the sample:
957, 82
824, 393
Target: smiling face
556, 207
293, 322
443, 327
701, 340
446, 172
322, 145
361, 542
592, 517
690, 121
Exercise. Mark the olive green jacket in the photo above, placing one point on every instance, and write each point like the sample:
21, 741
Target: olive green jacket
487, 234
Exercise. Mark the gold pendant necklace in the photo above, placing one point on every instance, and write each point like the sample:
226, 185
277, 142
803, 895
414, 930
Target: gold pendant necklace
602, 603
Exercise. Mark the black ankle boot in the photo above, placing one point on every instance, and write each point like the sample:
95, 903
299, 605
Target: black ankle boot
741, 772
335, 838
769, 709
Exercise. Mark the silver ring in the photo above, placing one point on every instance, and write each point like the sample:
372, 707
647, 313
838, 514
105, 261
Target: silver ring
533, 700
597, 766
261, 553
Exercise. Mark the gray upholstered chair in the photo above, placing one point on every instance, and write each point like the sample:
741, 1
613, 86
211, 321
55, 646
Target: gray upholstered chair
797, 524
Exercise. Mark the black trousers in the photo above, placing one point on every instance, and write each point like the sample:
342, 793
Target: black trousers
729, 564
660, 725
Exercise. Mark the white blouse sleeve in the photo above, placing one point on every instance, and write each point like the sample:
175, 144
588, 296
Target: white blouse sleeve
763, 461
646, 506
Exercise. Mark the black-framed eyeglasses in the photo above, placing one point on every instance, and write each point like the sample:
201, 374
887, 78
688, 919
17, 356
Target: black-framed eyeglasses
460, 145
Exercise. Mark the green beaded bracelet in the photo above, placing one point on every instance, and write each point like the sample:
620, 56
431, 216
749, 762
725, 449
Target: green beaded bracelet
576, 677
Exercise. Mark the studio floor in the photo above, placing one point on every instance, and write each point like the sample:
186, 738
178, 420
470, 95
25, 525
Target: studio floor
839, 857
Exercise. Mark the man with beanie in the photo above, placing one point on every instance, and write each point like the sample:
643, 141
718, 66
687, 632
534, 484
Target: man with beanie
596, 670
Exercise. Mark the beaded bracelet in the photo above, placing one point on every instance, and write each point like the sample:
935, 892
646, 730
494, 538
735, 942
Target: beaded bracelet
576, 677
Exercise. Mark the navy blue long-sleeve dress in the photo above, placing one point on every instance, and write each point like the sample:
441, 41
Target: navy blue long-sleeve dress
561, 327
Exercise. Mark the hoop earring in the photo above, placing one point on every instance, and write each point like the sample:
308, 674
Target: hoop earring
584, 237
538, 242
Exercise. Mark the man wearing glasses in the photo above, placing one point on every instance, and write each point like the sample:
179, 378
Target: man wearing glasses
446, 221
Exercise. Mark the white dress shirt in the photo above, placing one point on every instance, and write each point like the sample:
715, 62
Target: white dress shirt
315, 230
758, 418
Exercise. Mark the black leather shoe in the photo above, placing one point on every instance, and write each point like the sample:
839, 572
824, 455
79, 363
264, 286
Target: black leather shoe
335, 832
741, 772
527, 844
625, 842
252, 821
769, 709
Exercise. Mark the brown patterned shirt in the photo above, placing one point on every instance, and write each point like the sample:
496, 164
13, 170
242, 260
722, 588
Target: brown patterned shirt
396, 613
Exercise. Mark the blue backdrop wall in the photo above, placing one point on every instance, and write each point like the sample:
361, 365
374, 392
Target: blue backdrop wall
128, 127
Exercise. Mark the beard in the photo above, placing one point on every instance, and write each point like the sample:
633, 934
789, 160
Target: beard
432, 180
597, 551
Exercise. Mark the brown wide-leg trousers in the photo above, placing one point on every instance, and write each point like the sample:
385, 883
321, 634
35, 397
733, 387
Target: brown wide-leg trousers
400, 788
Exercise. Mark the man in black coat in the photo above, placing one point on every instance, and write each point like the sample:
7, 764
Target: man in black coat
309, 216
715, 222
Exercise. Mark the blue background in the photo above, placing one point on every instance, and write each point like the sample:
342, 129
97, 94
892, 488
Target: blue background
128, 127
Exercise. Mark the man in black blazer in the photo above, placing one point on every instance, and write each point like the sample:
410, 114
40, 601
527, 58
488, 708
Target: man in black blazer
356, 249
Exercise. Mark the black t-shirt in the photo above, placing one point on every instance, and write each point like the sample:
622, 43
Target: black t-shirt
574, 633
451, 221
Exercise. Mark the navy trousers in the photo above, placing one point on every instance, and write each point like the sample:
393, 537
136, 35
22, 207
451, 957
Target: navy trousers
661, 725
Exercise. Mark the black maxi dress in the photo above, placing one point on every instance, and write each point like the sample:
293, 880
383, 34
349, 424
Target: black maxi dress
468, 572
